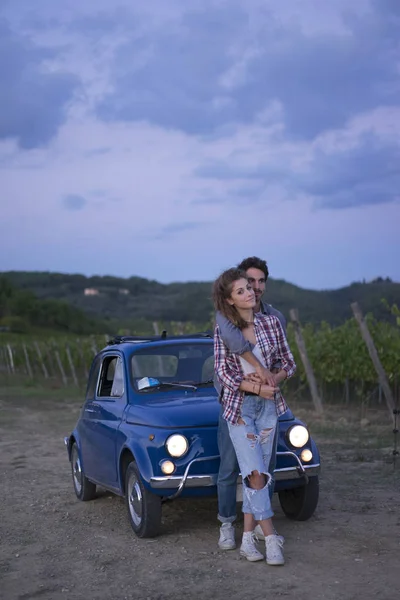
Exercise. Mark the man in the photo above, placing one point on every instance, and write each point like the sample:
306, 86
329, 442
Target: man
257, 273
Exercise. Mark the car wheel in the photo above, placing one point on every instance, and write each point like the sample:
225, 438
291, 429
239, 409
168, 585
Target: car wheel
300, 503
144, 508
84, 489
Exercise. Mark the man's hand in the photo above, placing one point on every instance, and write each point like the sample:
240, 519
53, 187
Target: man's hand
262, 376
253, 377
266, 376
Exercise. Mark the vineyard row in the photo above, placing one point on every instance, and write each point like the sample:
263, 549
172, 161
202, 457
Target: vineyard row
338, 355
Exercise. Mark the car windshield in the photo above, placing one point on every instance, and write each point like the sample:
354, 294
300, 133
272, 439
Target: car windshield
171, 366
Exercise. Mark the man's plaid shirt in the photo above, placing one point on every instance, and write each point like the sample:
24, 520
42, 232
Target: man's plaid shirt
274, 347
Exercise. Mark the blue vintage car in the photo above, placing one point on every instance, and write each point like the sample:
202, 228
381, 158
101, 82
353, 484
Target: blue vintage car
148, 431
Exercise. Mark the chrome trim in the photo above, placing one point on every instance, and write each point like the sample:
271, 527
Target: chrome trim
190, 481
297, 459
135, 499
168, 482
185, 479
77, 474
293, 472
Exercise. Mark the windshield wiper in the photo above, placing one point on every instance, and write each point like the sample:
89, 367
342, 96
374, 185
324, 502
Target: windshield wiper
204, 383
164, 384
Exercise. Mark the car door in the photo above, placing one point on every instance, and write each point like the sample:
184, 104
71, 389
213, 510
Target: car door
85, 423
103, 414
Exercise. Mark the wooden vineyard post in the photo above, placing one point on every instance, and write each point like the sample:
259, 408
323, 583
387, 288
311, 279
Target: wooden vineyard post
94, 347
5, 360
294, 316
28, 364
10, 356
60, 366
160, 358
82, 358
71, 366
369, 342
42, 363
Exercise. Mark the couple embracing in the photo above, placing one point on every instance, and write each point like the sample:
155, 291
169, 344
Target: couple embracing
252, 359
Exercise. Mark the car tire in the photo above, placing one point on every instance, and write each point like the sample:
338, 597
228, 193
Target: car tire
84, 489
300, 503
144, 508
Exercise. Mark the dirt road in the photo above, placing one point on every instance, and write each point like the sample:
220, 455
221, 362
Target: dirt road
53, 546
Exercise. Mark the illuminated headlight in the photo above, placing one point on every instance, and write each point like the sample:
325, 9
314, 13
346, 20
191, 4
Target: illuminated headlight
167, 467
298, 436
177, 445
306, 455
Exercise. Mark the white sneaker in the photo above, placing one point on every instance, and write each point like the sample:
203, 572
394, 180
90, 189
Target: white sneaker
227, 537
273, 550
258, 532
248, 548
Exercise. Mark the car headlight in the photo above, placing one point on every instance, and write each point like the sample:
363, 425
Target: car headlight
298, 436
167, 467
177, 445
306, 455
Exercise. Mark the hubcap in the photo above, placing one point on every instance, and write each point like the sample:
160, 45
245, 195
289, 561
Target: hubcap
76, 470
135, 500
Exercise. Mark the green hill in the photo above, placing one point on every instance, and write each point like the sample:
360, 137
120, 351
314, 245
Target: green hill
135, 298
21, 311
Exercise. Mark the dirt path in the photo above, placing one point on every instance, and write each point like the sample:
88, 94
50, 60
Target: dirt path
53, 546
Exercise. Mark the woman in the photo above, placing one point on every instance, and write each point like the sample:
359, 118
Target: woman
251, 408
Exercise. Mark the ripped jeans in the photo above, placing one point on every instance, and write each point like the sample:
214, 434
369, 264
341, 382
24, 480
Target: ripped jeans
253, 443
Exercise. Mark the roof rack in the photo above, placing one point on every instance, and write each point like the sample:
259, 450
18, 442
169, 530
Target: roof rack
123, 339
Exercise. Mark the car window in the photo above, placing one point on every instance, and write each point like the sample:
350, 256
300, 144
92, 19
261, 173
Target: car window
155, 365
174, 362
111, 383
208, 369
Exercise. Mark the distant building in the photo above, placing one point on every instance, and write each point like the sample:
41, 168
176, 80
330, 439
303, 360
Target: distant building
123, 291
91, 292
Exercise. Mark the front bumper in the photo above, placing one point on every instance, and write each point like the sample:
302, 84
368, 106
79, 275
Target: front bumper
298, 470
178, 482
185, 481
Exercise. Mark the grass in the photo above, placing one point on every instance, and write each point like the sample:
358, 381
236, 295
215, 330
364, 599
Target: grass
31, 388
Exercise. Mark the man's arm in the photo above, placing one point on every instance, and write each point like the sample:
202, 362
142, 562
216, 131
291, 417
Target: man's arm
288, 365
232, 336
270, 310
237, 344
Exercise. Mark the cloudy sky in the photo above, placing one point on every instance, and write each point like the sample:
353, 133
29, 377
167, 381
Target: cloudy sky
171, 138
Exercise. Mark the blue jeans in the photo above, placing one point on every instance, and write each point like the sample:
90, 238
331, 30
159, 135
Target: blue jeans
229, 471
253, 440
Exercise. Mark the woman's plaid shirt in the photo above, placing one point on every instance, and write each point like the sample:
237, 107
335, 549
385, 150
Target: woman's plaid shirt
274, 347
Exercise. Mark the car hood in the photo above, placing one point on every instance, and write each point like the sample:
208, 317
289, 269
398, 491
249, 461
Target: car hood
287, 416
190, 410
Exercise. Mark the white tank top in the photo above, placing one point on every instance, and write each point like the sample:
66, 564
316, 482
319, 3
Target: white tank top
246, 366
